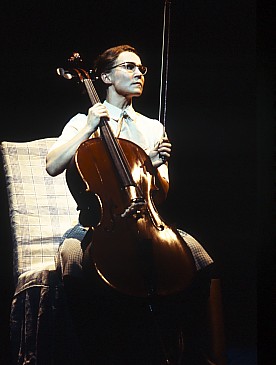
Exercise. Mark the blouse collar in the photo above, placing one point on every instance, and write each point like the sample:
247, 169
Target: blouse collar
115, 112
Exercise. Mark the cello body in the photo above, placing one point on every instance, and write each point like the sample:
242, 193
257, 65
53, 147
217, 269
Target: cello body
132, 249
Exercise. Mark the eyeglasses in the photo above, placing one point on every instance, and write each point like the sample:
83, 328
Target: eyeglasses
131, 66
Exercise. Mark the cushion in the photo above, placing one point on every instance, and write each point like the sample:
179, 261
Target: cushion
41, 207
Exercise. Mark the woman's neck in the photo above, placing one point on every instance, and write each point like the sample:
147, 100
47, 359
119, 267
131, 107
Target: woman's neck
118, 100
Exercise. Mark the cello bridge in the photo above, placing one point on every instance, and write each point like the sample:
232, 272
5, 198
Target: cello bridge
136, 209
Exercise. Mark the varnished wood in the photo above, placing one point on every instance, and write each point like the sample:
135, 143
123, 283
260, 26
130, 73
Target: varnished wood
138, 254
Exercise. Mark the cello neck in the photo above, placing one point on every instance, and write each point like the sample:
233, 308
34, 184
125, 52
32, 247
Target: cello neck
116, 153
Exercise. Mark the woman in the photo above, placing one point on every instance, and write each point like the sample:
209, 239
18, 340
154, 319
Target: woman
127, 330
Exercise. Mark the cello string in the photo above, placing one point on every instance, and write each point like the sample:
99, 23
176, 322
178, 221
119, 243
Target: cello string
114, 147
91, 91
93, 95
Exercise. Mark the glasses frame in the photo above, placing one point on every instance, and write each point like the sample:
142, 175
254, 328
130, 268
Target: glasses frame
143, 71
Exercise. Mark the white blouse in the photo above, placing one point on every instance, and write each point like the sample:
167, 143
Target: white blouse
137, 128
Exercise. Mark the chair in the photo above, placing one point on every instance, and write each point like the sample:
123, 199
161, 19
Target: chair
41, 209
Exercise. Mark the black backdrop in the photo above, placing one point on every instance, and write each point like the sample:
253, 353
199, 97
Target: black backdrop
219, 121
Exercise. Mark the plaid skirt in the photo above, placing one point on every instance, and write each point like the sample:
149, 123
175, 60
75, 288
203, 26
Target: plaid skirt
70, 254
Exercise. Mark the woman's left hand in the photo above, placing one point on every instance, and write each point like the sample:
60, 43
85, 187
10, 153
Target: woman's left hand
161, 153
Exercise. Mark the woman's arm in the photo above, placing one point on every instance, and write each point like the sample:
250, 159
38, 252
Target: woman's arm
160, 156
162, 184
58, 158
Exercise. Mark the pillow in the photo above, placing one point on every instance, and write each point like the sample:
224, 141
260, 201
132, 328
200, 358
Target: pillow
41, 207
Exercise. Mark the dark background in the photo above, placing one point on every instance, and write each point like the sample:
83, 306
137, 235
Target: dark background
220, 120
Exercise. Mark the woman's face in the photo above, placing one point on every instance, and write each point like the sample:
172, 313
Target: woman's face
127, 80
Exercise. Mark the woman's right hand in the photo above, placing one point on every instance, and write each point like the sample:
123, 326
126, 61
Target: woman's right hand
95, 113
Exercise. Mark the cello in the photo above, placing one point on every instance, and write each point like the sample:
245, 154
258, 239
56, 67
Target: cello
132, 249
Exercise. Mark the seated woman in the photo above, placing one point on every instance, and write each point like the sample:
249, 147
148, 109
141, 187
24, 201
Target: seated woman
115, 328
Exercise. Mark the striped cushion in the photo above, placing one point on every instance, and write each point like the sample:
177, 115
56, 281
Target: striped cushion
41, 207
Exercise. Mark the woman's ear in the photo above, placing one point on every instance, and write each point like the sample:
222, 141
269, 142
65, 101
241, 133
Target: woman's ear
106, 78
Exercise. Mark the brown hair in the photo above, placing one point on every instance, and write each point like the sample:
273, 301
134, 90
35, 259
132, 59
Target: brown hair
107, 59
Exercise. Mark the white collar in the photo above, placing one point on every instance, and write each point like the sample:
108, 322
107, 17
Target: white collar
115, 112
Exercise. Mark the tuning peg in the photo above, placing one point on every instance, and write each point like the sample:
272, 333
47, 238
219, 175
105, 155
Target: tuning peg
67, 75
93, 75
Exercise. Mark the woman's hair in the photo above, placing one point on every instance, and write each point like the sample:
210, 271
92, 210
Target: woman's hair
107, 59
